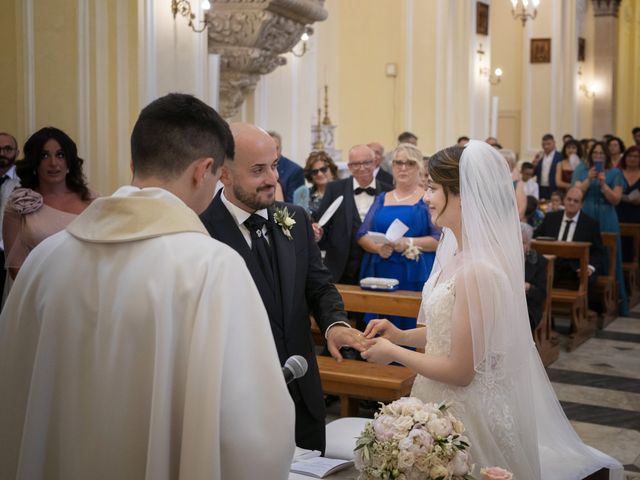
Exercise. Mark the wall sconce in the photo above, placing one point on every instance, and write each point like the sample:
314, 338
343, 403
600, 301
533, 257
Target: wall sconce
183, 7
590, 90
304, 38
495, 77
524, 13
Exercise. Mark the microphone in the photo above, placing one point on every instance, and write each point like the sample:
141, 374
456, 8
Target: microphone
295, 367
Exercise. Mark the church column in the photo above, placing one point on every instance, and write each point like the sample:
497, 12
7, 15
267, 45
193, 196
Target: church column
605, 65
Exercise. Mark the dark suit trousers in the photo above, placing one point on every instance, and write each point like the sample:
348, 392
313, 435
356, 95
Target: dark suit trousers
310, 432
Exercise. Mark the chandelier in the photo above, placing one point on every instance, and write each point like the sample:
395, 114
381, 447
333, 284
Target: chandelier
524, 10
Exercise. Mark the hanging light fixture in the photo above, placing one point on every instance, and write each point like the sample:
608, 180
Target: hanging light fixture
524, 10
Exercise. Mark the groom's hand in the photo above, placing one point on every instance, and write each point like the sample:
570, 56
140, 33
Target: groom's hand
340, 336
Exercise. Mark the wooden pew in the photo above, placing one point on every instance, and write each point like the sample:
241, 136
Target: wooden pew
632, 269
574, 301
606, 287
548, 346
353, 380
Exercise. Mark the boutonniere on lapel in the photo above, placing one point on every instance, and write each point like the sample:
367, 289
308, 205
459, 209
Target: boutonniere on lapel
284, 220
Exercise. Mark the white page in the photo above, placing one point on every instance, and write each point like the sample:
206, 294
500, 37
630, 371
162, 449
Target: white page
318, 466
396, 230
378, 238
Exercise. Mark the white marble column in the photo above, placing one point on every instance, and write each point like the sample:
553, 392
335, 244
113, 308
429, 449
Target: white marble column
605, 65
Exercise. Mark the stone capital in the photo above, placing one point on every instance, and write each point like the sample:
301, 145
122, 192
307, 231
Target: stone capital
606, 8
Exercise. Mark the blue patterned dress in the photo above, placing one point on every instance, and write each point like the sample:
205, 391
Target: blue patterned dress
598, 207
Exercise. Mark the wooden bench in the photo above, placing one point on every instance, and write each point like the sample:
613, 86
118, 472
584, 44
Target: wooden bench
353, 380
547, 345
632, 269
583, 325
606, 287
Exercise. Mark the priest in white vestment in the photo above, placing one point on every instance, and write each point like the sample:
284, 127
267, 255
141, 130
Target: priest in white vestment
133, 345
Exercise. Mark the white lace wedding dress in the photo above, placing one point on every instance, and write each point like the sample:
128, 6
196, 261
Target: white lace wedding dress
495, 432
488, 422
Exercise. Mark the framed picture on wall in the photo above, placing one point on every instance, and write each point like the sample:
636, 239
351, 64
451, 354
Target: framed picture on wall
582, 49
540, 50
482, 18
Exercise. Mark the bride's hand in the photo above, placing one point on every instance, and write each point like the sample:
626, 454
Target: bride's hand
383, 328
380, 352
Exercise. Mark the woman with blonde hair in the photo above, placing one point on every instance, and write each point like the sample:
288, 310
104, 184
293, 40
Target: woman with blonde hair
409, 259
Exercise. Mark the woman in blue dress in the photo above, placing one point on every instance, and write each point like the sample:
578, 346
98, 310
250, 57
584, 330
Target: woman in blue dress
408, 260
602, 185
629, 207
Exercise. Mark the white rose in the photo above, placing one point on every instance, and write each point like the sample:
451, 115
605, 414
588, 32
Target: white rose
438, 471
289, 222
401, 426
460, 464
421, 416
405, 443
384, 428
405, 459
440, 427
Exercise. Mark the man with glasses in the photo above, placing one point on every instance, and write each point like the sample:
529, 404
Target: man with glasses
8, 182
344, 255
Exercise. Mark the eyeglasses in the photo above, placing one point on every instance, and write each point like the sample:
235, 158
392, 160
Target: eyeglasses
315, 171
404, 163
7, 149
357, 165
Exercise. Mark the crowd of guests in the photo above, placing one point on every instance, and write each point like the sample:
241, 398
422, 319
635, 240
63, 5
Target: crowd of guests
47, 189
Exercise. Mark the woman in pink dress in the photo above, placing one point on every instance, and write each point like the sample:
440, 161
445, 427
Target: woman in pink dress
53, 192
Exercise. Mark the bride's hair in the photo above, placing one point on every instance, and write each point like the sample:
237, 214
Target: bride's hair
444, 169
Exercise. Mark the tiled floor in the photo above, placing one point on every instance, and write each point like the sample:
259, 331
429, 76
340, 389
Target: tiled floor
598, 386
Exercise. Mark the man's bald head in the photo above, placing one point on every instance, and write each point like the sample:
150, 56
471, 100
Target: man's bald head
362, 164
250, 177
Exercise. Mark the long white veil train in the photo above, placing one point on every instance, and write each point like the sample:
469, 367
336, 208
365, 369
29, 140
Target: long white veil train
504, 352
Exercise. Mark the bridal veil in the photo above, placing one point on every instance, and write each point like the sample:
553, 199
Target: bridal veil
503, 348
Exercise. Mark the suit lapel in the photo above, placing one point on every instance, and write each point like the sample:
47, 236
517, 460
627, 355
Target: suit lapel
349, 203
286, 258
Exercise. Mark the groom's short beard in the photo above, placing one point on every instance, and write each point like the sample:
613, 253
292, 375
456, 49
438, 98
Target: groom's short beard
251, 199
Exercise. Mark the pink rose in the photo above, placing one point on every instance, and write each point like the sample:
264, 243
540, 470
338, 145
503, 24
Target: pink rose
383, 426
25, 201
495, 473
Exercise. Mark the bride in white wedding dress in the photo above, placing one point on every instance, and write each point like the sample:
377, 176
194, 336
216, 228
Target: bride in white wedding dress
479, 353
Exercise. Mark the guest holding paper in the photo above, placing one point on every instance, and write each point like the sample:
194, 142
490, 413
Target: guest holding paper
409, 259
338, 236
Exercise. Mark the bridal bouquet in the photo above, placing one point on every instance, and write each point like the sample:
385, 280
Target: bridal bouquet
409, 439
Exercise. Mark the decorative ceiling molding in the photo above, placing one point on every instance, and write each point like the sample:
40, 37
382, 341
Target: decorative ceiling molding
250, 36
606, 8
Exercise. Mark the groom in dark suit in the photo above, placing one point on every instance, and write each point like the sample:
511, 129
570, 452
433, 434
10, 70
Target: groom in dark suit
277, 243
573, 225
344, 255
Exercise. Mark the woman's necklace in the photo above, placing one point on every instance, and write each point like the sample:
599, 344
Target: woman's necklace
404, 198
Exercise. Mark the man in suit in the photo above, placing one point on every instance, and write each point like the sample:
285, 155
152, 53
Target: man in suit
571, 224
277, 243
545, 163
8, 181
380, 174
290, 174
339, 234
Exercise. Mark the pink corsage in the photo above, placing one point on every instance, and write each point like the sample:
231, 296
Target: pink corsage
25, 201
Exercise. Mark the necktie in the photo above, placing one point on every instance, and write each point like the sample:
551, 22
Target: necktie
567, 226
259, 245
369, 191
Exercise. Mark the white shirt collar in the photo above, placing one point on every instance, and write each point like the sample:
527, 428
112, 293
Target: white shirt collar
238, 214
11, 173
574, 219
372, 184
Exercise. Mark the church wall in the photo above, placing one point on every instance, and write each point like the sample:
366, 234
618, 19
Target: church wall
628, 78
9, 107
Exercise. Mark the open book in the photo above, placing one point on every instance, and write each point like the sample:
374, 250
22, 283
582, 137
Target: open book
319, 467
